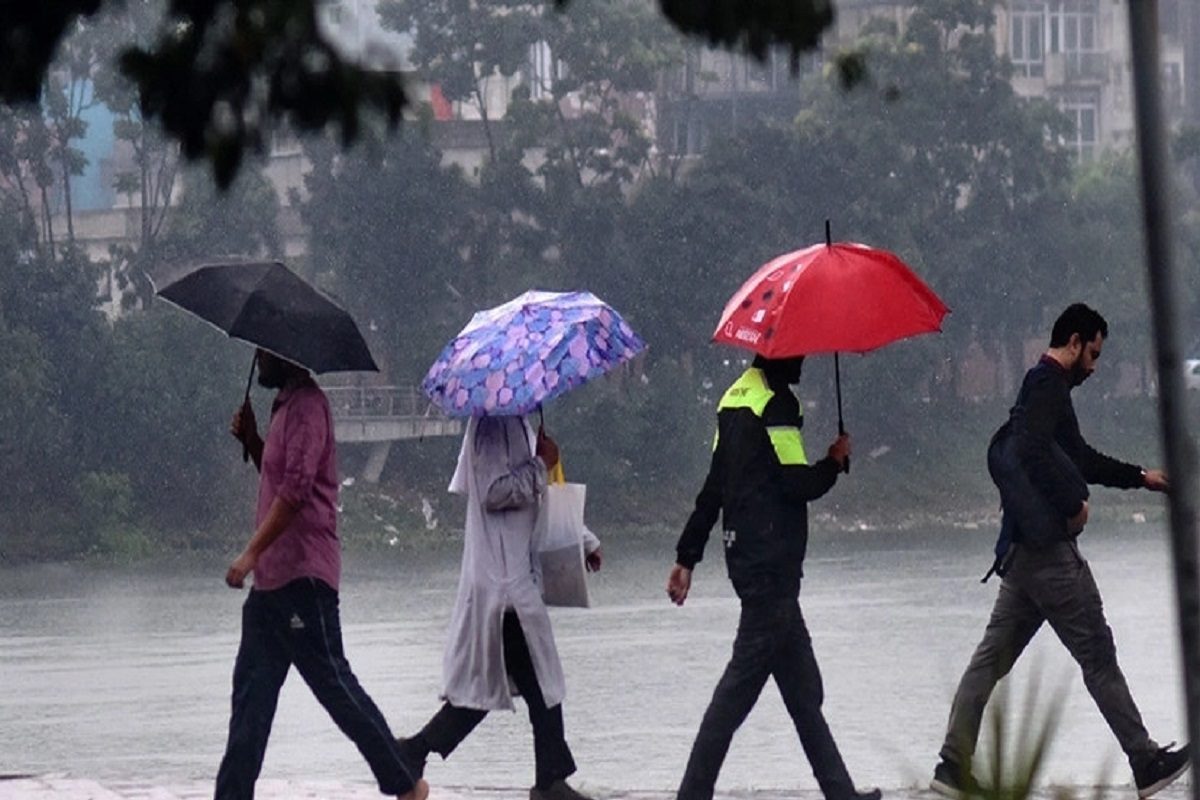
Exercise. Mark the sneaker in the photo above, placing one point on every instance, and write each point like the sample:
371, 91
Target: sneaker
1161, 770
869, 794
413, 756
949, 780
559, 790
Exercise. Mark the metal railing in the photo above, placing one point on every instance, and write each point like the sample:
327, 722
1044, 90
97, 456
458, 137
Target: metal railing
380, 402
1086, 65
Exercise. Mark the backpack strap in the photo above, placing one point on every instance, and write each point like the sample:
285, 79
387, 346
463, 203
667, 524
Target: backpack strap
1005, 543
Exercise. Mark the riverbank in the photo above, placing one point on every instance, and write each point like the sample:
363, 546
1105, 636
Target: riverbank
926, 473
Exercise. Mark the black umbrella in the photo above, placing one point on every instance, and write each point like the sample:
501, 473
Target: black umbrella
269, 306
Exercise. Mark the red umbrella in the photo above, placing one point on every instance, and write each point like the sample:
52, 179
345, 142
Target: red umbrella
828, 298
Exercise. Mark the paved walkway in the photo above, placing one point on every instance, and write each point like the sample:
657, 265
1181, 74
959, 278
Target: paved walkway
58, 788
51, 787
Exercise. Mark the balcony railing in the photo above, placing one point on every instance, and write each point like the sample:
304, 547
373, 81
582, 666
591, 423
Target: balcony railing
1082, 66
1076, 67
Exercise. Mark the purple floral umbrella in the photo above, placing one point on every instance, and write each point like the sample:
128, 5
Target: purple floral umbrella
510, 359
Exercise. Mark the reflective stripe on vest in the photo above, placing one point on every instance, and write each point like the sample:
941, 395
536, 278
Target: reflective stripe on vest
751, 391
789, 444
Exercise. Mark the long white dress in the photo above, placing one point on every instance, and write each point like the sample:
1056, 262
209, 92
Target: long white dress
503, 481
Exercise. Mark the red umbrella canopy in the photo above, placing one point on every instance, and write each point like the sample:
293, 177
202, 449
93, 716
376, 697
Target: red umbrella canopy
829, 298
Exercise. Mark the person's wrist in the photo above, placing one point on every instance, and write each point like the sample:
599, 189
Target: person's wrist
1144, 475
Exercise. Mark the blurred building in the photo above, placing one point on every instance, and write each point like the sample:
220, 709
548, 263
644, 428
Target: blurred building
1075, 53
715, 91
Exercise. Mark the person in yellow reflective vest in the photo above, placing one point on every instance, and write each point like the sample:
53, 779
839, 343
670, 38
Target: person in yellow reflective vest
759, 482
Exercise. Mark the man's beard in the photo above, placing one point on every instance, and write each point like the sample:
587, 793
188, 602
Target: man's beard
1078, 373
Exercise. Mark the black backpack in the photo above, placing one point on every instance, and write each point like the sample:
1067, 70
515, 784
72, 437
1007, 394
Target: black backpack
1027, 517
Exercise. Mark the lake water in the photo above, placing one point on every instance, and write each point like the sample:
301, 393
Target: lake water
117, 675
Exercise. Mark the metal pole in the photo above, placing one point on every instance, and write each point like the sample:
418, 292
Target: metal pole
1178, 446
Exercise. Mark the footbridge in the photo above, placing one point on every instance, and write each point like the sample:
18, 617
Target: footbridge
380, 415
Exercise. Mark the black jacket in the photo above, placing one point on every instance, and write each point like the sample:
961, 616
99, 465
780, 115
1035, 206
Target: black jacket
1040, 449
763, 503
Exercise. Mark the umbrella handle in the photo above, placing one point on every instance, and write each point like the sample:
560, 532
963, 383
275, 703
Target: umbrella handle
837, 373
246, 402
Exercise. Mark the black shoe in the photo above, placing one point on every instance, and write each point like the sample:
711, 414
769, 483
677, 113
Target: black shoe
1161, 770
853, 794
950, 780
559, 790
413, 756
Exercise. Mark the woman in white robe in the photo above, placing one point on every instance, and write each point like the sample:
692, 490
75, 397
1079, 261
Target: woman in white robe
500, 636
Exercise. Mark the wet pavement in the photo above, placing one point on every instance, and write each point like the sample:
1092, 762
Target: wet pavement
116, 682
50, 787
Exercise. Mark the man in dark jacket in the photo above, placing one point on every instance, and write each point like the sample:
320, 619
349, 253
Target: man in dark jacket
1042, 466
760, 482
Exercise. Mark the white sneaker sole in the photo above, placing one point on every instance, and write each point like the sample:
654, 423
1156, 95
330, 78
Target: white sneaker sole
946, 790
1154, 788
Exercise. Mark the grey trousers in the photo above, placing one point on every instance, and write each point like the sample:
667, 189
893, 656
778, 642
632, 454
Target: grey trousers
1055, 585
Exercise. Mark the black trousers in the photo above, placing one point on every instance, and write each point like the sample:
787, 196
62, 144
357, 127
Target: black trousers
772, 641
552, 757
299, 624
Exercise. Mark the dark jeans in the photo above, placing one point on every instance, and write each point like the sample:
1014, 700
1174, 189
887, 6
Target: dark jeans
552, 757
772, 641
1052, 584
298, 624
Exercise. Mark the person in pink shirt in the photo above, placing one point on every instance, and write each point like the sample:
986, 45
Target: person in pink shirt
291, 614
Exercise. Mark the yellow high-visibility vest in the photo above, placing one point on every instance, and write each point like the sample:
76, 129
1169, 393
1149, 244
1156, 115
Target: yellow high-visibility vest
751, 391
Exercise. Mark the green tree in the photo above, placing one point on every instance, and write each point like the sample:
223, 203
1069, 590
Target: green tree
149, 186
389, 228
168, 387
934, 157
466, 47
208, 223
1103, 249
50, 337
585, 132
169, 382
217, 76
222, 73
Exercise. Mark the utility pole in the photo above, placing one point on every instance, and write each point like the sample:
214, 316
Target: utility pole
1163, 282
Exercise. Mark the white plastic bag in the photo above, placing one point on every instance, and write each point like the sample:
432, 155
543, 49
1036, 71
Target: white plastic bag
560, 537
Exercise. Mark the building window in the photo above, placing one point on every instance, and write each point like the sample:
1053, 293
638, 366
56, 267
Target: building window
1084, 112
1073, 25
540, 71
1027, 36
